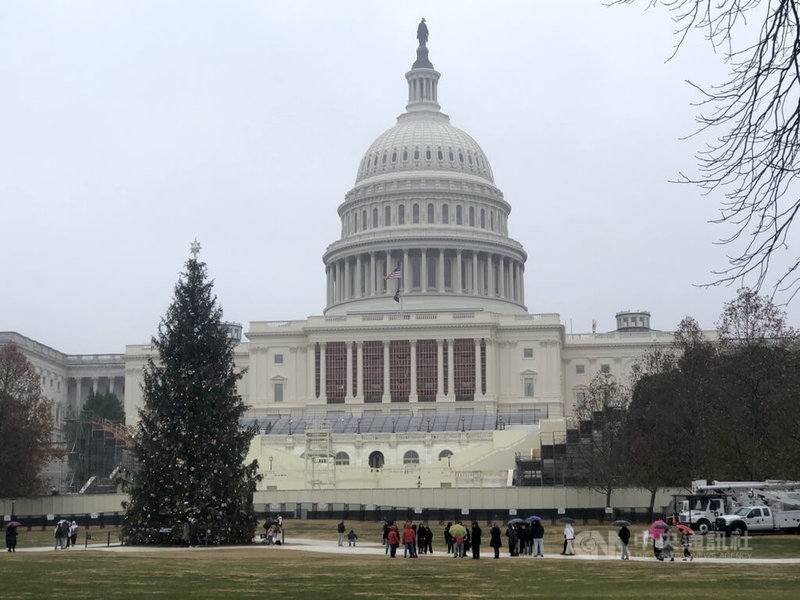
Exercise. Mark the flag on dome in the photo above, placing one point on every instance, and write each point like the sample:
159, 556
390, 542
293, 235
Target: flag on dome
396, 274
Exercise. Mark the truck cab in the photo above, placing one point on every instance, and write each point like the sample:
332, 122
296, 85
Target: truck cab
747, 518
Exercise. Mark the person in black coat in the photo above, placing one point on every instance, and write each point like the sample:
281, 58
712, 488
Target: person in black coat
495, 541
624, 536
537, 531
476, 540
448, 539
11, 538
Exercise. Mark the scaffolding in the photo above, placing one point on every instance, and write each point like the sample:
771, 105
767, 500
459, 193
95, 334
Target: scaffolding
320, 458
96, 447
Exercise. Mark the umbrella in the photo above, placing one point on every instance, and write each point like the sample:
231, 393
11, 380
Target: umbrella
621, 523
566, 520
457, 530
533, 518
515, 521
685, 529
13, 524
657, 528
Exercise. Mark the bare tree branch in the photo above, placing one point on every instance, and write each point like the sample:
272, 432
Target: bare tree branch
755, 115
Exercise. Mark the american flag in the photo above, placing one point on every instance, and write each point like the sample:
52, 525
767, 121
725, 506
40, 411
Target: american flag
396, 274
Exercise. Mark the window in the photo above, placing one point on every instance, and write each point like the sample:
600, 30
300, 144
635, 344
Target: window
430, 213
472, 216
277, 389
445, 214
605, 368
483, 219
411, 458
376, 460
459, 216
527, 353
374, 217
445, 454
415, 214
355, 221
527, 386
364, 218
580, 369
428, 153
401, 214
278, 359
342, 458
580, 399
387, 216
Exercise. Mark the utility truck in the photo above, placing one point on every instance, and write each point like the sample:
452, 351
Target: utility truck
709, 501
769, 506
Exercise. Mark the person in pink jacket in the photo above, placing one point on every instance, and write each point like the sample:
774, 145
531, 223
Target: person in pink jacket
409, 540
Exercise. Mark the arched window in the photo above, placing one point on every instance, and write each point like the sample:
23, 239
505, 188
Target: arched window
364, 218
491, 221
401, 214
445, 214
472, 216
355, 221
483, 219
387, 216
376, 460
415, 214
411, 458
394, 155
405, 154
374, 218
342, 458
428, 153
459, 216
416, 153
445, 454
439, 154
430, 213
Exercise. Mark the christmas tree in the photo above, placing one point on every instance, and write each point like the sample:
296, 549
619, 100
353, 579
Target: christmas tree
189, 445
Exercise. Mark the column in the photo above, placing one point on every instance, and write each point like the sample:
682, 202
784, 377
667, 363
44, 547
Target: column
312, 371
413, 393
338, 287
522, 283
423, 265
388, 269
474, 273
459, 283
360, 370
406, 273
111, 384
490, 286
477, 367
501, 269
489, 368
78, 402
346, 290
386, 392
349, 378
95, 381
371, 280
358, 293
450, 369
439, 370
440, 272
512, 280
323, 394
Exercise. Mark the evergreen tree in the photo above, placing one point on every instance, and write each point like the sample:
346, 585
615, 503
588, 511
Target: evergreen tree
189, 445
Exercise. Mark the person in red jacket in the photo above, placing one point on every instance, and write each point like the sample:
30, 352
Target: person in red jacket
409, 539
394, 540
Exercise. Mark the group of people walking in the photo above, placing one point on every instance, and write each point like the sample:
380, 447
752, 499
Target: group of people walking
526, 539
416, 539
66, 534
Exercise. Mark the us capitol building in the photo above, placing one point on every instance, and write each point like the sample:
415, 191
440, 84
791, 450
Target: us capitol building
426, 368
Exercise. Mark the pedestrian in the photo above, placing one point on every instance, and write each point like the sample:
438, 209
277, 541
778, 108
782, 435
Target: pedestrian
624, 537
340, 530
448, 539
475, 539
385, 538
537, 530
511, 534
458, 541
73, 533
495, 540
686, 542
416, 540
658, 547
11, 538
409, 540
393, 539
59, 534
569, 537
669, 551
351, 538
527, 539
194, 530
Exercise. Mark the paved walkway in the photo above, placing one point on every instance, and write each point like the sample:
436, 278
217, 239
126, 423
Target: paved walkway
330, 547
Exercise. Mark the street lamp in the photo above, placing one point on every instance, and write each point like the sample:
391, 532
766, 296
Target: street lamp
270, 463
394, 422
428, 419
290, 427
462, 423
358, 425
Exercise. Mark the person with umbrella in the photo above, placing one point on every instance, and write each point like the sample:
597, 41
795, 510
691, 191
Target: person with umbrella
495, 541
624, 535
511, 533
686, 541
656, 531
11, 535
459, 532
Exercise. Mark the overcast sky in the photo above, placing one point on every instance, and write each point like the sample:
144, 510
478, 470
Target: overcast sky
127, 129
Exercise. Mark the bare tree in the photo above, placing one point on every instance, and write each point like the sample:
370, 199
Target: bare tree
755, 116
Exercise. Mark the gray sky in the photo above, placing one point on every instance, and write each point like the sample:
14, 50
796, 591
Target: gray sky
129, 128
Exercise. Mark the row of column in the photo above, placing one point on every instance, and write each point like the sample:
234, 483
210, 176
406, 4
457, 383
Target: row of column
475, 273
359, 358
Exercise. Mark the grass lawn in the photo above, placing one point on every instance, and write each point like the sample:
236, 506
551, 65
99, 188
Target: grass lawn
282, 572
289, 574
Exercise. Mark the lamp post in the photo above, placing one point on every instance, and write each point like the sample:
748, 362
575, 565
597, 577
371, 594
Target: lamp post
290, 427
394, 422
270, 463
13, 502
358, 425
462, 423
428, 420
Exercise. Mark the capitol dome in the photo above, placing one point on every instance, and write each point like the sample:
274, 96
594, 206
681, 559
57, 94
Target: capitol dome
424, 141
424, 228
